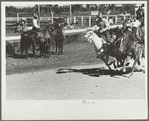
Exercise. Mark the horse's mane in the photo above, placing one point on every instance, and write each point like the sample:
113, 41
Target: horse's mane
47, 26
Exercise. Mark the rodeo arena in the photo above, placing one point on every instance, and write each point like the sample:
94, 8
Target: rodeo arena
75, 52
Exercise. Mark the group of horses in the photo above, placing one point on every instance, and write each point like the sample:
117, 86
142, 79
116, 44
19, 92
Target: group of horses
42, 40
124, 48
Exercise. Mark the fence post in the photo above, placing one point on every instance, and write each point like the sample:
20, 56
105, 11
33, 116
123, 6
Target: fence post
124, 17
74, 19
115, 19
81, 36
89, 20
107, 17
82, 21
17, 17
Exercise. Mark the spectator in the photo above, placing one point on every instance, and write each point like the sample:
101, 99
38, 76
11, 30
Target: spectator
135, 28
122, 20
140, 13
77, 23
111, 20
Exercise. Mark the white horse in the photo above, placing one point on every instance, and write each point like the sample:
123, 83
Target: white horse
98, 43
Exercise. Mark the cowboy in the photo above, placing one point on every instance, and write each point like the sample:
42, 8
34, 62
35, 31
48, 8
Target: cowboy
135, 28
35, 25
140, 13
126, 26
102, 27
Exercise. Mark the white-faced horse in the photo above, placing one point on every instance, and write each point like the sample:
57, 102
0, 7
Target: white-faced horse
104, 50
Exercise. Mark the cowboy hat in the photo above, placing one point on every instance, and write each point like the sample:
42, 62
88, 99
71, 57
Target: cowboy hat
35, 15
100, 14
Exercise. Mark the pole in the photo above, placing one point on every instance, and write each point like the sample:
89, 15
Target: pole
17, 17
39, 15
52, 15
70, 13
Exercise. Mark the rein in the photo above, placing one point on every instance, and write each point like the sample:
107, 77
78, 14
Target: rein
129, 48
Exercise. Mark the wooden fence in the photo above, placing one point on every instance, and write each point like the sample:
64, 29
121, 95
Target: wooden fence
82, 20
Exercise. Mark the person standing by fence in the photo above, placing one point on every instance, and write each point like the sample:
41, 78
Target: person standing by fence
135, 28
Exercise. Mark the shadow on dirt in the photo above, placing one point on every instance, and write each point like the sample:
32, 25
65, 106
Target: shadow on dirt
30, 55
95, 72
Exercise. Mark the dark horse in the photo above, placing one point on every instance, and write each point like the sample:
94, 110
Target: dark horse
104, 50
59, 38
9, 49
33, 38
46, 41
27, 39
130, 46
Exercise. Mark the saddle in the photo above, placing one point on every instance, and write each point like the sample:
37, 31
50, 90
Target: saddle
39, 34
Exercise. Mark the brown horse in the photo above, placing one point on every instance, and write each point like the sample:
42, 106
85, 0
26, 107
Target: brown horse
59, 37
42, 39
27, 39
46, 41
104, 50
9, 49
132, 48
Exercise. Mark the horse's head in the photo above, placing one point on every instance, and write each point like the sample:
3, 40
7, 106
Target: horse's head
123, 45
89, 36
18, 29
50, 27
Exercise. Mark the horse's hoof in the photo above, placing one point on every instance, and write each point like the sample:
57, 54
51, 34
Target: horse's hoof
123, 70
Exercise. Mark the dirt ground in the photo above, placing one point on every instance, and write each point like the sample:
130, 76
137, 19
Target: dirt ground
77, 74
75, 53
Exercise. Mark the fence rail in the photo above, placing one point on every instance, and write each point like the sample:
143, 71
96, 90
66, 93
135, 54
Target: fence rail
13, 39
82, 20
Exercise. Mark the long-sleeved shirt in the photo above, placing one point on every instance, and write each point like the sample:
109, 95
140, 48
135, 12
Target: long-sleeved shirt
35, 23
136, 23
105, 22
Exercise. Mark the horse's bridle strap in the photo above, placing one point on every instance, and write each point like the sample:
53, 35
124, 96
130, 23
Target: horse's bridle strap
130, 48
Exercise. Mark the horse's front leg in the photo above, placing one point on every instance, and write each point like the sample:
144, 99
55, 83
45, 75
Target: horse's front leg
22, 48
60, 49
105, 59
56, 46
123, 68
49, 50
26, 50
34, 50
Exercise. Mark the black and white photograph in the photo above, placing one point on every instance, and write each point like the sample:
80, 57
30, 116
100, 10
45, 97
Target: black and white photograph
74, 60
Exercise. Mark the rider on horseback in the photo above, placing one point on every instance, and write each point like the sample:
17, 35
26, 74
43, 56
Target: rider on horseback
36, 28
35, 25
102, 27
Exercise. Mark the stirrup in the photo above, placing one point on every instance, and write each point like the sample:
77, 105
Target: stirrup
108, 43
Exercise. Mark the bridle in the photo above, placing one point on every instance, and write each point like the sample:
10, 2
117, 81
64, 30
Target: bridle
130, 47
88, 37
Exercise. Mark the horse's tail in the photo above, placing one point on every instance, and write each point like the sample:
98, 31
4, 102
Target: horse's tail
22, 43
9, 49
